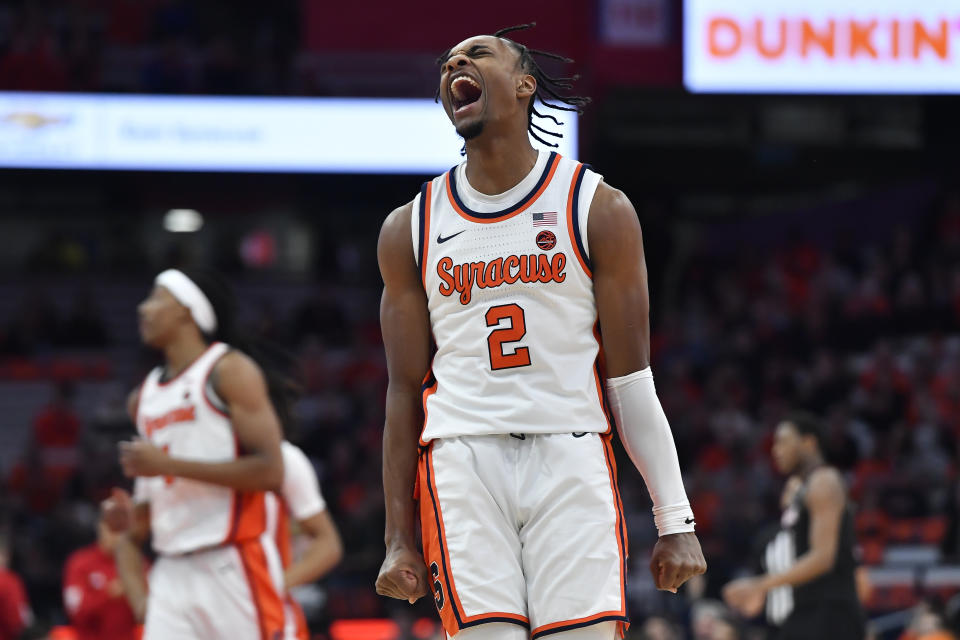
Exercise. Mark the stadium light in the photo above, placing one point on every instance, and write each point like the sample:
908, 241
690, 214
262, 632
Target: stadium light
182, 221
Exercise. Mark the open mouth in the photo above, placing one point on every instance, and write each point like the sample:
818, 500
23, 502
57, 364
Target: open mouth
464, 91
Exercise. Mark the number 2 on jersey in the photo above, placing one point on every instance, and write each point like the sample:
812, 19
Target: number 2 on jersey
514, 332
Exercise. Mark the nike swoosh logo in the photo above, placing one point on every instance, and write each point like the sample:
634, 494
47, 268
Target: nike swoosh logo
441, 239
688, 521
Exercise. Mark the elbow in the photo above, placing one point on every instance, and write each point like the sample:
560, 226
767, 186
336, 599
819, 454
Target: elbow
271, 477
332, 543
825, 562
336, 552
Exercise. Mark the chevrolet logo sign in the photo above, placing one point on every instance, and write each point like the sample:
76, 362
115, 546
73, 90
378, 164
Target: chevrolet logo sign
30, 120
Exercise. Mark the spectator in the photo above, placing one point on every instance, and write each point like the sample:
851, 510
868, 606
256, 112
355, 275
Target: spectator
56, 435
657, 628
93, 594
927, 623
15, 614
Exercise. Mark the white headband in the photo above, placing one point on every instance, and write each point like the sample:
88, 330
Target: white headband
189, 295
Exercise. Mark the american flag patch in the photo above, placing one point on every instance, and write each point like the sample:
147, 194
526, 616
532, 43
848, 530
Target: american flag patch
545, 219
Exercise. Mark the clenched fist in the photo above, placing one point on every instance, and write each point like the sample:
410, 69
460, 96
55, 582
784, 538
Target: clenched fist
676, 558
117, 511
141, 458
403, 575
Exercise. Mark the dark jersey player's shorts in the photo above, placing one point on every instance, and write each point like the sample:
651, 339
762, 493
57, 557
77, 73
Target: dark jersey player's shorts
833, 620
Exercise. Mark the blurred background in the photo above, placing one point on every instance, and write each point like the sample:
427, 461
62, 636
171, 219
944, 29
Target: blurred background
799, 190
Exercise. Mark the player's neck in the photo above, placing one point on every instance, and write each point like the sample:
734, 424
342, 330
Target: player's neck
182, 351
497, 164
809, 465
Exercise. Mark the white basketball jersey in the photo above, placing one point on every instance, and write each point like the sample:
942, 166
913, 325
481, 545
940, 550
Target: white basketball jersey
511, 303
177, 415
299, 498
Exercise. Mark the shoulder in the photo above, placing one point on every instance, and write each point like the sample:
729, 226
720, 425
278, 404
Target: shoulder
133, 402
9, 582
395, 246
613, 228
395, 230
611, 206
825, 486
79, 558
235, 368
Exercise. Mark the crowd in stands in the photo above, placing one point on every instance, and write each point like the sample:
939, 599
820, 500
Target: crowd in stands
864, 334
148, 46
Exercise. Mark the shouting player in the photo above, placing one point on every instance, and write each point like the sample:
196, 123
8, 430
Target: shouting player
515, 322
208, 453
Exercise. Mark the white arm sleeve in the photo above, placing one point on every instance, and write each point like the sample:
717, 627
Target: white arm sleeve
301, 490
646, 436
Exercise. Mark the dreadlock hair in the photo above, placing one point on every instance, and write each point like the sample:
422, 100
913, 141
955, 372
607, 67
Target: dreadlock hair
274, 361
550, 89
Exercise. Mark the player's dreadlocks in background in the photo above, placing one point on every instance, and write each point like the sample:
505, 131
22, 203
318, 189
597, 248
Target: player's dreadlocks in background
550, 89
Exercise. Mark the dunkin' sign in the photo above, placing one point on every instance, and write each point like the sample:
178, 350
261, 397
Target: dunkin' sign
822, 46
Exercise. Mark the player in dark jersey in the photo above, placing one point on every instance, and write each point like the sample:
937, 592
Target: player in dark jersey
820, 519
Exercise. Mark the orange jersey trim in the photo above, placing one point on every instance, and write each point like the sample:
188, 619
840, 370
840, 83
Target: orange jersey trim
189, 366
428, 388
452, 614
283, 533
600, 376
206, 383
266, 600
425, 201
567, 625
573, 221
249, 518
508, 213
621, 528
300, 620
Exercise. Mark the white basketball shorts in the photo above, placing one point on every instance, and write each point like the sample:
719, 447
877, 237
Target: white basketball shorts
231, 592
524, 529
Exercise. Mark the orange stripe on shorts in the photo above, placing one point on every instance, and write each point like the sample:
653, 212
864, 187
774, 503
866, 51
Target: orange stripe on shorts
266, 600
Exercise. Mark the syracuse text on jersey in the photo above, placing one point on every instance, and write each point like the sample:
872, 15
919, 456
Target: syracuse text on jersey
462, 278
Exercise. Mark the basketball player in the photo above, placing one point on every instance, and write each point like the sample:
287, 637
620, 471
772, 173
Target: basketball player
299, 499
819, 520
499, 279
208, 452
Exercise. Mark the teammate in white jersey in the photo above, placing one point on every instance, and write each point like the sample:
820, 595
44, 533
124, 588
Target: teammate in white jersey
499, 278
300, 499
208, 452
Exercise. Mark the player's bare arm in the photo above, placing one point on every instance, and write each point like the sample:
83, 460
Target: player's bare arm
620, 286
405, 323
119, 511
825, 500
323, 554
132, 523
132, 574
238, 380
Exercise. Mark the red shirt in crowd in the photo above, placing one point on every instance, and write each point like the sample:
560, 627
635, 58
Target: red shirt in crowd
14, 606
94, 598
